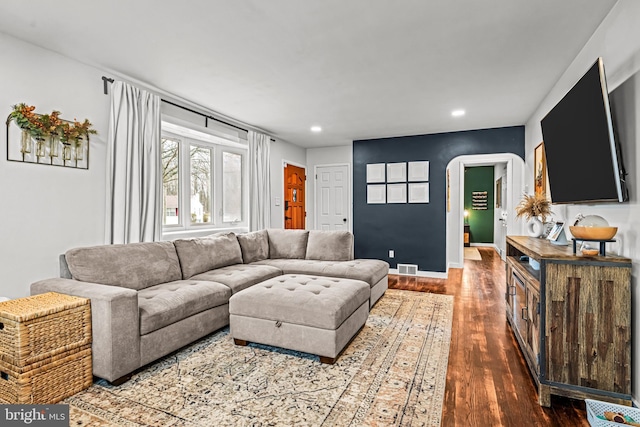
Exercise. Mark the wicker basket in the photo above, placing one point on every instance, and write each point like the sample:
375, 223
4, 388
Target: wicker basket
36, 328
49, 381
597, 408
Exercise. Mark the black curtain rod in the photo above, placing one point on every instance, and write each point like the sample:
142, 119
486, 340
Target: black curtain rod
106, 80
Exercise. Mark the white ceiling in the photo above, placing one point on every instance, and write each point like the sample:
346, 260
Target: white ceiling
358, 68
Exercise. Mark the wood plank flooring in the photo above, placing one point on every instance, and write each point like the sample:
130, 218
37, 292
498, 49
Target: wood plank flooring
488, 383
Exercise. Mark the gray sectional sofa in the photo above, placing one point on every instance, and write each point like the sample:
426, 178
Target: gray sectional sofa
150, 299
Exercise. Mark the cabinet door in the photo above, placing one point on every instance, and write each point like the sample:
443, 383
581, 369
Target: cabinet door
588, 326
533, 324
520, 307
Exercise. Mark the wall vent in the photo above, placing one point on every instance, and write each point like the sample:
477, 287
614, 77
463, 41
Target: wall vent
408, 269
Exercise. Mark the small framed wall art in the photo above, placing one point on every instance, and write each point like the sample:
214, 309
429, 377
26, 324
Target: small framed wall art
375, 172
376, 194
397, 172
418, 171
419, 192
396, 193
540, 172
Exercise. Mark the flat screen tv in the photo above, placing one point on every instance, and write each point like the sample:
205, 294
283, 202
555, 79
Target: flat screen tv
584, 162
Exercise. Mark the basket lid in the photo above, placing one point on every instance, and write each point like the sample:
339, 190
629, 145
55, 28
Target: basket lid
29, 308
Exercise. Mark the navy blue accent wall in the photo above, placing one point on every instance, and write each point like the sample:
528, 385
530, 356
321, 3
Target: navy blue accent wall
417, 232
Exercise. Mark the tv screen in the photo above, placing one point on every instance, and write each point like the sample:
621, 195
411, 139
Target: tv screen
583, 159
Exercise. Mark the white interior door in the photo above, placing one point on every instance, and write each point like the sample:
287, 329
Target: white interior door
333, 197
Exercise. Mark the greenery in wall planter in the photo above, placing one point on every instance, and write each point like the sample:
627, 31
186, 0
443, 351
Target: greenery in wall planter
43, 127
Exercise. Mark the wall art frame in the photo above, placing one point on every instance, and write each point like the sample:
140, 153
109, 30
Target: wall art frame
397, 172
419, 192
418, 171
376, 194
396, 193
375, 172
540, 170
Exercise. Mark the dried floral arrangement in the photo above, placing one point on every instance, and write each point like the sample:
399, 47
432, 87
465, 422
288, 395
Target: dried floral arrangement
534, 206
42, 125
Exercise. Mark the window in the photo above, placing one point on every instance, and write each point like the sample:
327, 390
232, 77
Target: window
170, 180
203, 181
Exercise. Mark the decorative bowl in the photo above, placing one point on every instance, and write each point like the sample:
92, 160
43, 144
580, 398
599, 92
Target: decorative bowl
593, 233
590, 252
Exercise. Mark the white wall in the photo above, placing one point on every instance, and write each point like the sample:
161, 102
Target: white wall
45, 209
282, 152
617, 40
326, 156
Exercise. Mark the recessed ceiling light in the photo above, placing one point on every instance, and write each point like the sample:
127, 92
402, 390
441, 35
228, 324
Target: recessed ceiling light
316, 129
457, 113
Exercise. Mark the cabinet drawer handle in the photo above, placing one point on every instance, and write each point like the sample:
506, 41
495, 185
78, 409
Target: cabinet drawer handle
523, 313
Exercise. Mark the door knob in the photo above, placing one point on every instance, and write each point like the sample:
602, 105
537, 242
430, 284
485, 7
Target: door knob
344, 219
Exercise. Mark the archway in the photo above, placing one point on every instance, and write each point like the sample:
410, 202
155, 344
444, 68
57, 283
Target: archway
514, 184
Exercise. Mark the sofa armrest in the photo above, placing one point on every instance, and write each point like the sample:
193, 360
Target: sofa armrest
114, 321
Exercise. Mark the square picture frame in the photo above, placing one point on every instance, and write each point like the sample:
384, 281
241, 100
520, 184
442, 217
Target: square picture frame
375, 172
396, 193
418, 171
419, 192
376, 194
397, 172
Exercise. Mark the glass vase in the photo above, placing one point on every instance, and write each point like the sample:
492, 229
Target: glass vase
54, 145
25, 142
66, 152
40, 147
79, 150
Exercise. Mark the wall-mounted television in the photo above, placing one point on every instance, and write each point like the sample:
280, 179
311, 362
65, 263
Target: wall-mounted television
584, 162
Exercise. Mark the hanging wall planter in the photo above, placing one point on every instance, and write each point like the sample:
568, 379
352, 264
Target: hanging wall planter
37, 138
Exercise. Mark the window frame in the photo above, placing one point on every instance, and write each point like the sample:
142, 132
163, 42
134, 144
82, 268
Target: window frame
188, 137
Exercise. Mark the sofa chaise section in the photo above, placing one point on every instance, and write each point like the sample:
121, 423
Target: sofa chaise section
141, 308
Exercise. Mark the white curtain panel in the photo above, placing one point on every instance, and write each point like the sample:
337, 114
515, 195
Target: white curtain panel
134, 193
259, 181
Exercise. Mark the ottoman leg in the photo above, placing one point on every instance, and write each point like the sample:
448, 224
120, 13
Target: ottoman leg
239, 342
328, 360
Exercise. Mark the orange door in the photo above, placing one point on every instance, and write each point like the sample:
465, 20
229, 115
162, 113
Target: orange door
294, 212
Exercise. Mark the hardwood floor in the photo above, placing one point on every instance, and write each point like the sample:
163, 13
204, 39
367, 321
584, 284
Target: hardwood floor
488, 383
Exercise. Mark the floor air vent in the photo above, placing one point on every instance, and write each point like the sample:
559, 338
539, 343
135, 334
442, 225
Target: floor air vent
408, 269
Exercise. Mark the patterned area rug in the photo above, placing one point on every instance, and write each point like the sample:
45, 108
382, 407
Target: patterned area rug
392, 373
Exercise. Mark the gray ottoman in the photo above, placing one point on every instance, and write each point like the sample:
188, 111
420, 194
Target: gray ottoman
317, 315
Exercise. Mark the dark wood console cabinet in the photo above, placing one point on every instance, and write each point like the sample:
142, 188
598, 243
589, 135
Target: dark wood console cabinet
572, 319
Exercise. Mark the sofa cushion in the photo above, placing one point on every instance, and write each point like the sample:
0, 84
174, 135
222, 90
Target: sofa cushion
330, 245
240, 276
133, 266
254, 245
290, 244
202, 254
168, 303
367, 270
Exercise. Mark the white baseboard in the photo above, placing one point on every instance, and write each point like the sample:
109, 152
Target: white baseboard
431, 274
485, 245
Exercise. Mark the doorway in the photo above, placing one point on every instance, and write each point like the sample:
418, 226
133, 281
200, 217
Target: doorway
294, 197
332, 197
510, 170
